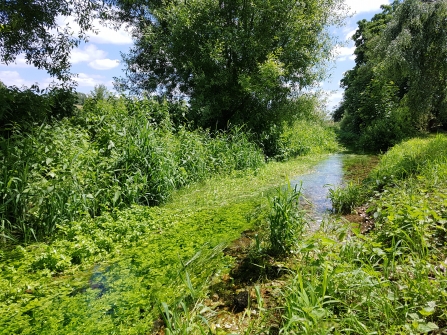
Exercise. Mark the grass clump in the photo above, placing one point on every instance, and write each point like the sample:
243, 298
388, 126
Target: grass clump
286, 220
345, 199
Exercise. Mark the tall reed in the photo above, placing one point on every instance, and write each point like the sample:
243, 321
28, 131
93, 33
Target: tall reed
109, 155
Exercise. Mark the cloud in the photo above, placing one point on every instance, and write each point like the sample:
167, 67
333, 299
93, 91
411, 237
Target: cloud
343, 53
99, 34
358, 6
108, 35
90, 80
333, 99
350, 34
20, 62
104, 64
13, 78
87, 54
94, 56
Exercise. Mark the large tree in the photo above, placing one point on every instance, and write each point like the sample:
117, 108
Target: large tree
236, 61
398, 85
412, 53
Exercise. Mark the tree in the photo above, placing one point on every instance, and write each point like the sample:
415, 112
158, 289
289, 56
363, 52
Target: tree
413, 54
355, 81
100, 92
369, 109
236, 61
398, 86
31, 27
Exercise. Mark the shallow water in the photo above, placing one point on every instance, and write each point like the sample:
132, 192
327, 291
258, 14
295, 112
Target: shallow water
315, 185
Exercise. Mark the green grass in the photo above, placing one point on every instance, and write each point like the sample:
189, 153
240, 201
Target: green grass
392, 280
111, 273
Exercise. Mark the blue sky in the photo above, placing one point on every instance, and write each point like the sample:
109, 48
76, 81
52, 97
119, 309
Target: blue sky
99, 60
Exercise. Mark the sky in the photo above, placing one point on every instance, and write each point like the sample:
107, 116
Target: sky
99, 60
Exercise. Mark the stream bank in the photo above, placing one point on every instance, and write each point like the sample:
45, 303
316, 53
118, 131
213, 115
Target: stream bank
251, 294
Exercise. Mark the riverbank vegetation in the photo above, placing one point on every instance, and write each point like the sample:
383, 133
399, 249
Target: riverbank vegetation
391, 280
119, 208
397, 88
168, 211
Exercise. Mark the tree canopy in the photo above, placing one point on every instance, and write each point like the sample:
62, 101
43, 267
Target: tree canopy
236, 61
32, 28
398, 85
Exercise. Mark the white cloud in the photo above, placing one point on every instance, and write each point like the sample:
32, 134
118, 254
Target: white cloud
358, 6
100, 33
89, 53
350, 34
343, 53
333, 100
95, 57
20, 62
90, 80
104, 64
108, 35
13, 78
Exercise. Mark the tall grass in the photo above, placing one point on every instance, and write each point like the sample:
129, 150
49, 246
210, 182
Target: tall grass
110, 155
286, 220
306, 136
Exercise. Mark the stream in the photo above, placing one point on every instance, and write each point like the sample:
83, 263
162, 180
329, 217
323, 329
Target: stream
315, 186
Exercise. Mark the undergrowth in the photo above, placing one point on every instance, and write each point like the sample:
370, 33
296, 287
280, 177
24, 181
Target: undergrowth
111, 155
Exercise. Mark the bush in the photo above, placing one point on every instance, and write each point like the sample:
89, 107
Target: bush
20, 108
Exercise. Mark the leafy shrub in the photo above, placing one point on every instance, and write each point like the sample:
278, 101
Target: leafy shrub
20, 108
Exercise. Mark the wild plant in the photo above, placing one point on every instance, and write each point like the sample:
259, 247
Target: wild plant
112, 154
345, 198
286, 220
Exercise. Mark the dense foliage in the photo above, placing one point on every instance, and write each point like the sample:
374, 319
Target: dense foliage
237, 62
110, 154
21, 108
116, 271
397, 87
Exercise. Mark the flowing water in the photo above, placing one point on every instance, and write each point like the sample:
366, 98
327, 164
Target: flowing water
315, 185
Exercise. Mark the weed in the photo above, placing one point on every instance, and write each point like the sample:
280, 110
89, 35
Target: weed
345, 199
286, 220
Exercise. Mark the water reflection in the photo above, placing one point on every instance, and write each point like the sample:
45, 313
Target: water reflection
315, 185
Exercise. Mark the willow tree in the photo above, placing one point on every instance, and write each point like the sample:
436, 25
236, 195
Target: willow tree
236, 61
413, 54
398, 86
